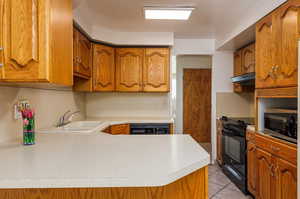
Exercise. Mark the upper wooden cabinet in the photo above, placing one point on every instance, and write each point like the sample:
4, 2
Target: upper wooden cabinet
103, 68
156, 71
36, 41
248, 59
238, 63
129, 67
82, 58
277, 47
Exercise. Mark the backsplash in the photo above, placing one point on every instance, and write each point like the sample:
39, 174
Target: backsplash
235, 105
128, 105
49, 106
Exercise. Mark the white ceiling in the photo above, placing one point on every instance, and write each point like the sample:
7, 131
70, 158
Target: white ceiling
210, 19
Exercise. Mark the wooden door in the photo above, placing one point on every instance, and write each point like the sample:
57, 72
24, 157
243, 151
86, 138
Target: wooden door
265, 174
286, 31
156, 71
248, 59
219, 142
23, 40
286, 180
251, 167
197, 104
238, 63
265, 53
83, 68
103, 68
129, 66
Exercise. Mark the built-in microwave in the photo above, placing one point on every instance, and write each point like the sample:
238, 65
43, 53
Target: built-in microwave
281, 123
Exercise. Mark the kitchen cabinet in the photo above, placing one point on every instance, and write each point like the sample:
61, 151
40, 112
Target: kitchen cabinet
156, 70
277, 47
119, 129
248, 59
276, 168
251, 159
219, 142
103, 68
36, 42
238, 63
129, 67
82, 58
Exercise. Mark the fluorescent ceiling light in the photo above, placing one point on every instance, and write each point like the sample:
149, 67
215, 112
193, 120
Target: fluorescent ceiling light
168, 13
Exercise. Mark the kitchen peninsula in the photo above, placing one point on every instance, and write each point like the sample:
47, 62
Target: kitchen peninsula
99, 165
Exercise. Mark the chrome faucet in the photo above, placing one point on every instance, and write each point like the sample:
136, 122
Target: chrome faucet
66, 119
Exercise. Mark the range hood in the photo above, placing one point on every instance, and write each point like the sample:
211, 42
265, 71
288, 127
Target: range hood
246, 79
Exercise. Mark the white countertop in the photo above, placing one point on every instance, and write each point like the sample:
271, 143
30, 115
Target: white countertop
99, 160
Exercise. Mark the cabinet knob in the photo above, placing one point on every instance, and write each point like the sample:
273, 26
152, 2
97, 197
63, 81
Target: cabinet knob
275, 149
1, 65
1, 48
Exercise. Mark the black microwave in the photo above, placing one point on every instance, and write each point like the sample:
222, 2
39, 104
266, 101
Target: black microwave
282, 123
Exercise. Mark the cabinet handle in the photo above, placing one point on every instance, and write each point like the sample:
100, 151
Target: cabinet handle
271, 170
1, 48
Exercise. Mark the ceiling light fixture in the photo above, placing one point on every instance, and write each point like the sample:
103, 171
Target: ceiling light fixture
168, 13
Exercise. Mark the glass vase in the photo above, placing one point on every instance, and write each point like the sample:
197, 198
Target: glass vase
28, 131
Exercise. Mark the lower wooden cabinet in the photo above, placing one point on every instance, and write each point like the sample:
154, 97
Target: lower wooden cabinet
271, 174
251, 169
219, 142
119, 129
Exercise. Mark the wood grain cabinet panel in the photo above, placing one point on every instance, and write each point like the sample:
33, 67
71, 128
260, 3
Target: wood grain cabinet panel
36, 42
156, 70
264, 53
277, 47
129, 66
82, 55
264, 171
286, 178
103, 68
248, 59
219, 142
286, 35
251, 169
238, 63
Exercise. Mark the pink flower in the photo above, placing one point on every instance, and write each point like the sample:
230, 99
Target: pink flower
25, 122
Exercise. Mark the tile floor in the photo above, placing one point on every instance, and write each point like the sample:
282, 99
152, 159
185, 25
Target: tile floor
220, 187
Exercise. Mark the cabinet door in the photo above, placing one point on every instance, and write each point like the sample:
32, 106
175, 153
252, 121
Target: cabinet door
238, 63
129, 66
248, 59
251, 169
286, 180
156, 71
83, 68
23, 35
264, 53
75, 50
286, 30
264, 171
103, 68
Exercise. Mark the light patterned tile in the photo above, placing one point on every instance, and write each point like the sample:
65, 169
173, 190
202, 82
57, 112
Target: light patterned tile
227, 193
219, 178
213, 189
212, 169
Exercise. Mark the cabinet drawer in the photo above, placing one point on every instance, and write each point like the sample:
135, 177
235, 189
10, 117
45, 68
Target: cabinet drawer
119, 129
282, 150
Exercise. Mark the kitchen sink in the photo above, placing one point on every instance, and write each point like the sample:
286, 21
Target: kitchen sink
76, 127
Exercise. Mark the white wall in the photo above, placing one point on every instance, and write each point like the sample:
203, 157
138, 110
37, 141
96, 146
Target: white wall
48, 104
186, 61
222, 70
128, 105
194, 46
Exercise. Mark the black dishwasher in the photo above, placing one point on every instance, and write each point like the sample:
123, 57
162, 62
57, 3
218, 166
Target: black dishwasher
149, 129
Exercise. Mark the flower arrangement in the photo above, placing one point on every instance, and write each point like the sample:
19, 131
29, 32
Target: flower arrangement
28, 126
